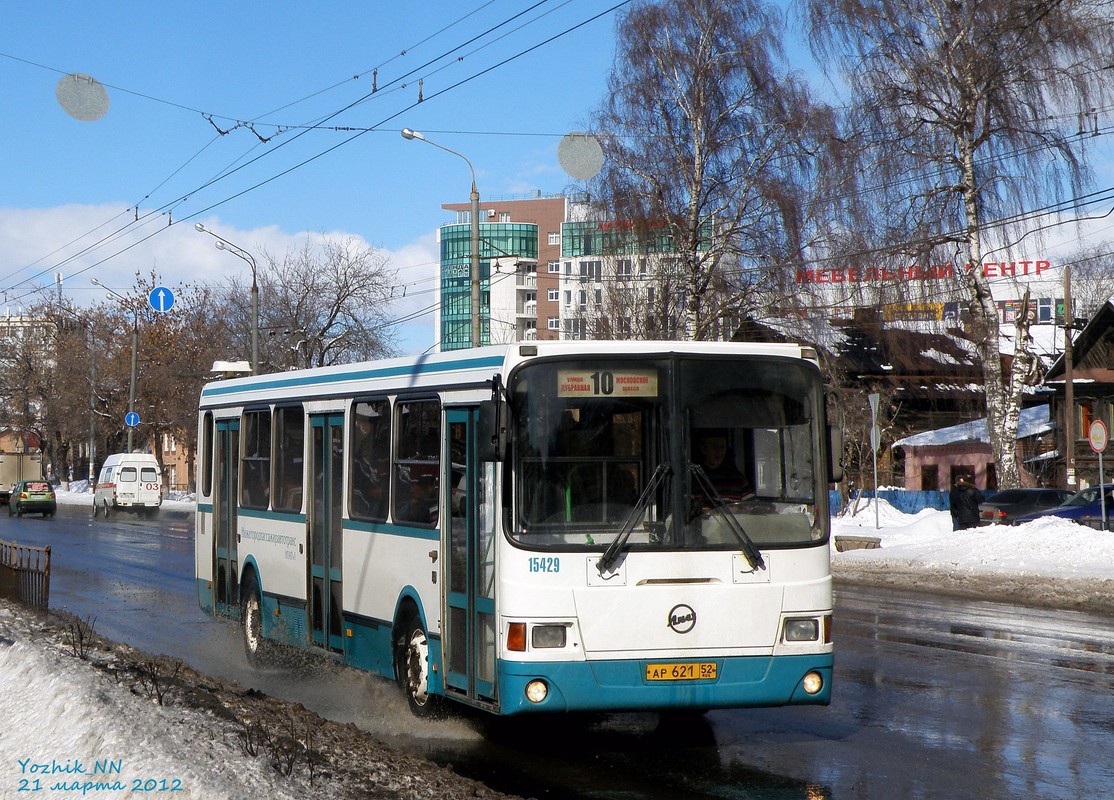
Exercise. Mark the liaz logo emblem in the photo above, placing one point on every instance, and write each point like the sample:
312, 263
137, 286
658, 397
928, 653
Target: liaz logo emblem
682, 618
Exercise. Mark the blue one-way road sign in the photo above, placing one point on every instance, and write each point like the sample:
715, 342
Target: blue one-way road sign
161, 299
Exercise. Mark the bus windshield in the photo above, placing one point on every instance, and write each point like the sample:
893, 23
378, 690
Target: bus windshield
679, 453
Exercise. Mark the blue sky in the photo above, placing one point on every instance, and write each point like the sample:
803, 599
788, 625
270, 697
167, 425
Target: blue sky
194, 89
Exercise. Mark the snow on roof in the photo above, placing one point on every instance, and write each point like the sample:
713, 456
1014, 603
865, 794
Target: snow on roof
1033, 421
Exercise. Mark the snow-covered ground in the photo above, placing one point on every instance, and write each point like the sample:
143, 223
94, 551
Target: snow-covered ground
62, 717
1050, 562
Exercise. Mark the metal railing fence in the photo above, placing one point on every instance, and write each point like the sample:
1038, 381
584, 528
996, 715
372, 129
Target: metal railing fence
25, 574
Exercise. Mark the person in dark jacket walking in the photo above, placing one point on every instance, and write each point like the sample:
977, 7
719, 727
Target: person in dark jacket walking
963, 501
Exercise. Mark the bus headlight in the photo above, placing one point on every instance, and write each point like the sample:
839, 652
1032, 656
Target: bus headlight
548, 636
536, 691
801, 629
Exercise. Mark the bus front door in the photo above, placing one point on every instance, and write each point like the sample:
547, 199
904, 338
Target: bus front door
226, 594
468, 485
325, 527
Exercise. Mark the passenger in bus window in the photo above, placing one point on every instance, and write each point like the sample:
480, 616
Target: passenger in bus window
718, 462
421, 507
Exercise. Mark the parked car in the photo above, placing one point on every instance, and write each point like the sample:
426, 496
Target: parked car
29, 497
1004, 507
1084, 507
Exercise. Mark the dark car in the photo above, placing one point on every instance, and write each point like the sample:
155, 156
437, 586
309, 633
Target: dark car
30, 497
1084, 507
1004, 507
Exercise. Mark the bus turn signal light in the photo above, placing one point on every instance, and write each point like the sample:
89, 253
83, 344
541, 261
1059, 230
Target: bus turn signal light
516, 637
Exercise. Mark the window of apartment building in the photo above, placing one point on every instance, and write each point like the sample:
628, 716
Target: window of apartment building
504, 216
568, 268
554, 237
642, 267
574, 328
568, 297
625, 268
554, 323
553, 295
582, 299
591, 270
555, 266
599, 297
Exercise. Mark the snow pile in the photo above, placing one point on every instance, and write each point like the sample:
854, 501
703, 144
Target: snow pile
71, 731
86, 717
1048, 561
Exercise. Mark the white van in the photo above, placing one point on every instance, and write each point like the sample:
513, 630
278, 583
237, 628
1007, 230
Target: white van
129, 482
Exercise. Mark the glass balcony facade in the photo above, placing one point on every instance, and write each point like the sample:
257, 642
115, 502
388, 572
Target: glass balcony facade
497, 240
595, 238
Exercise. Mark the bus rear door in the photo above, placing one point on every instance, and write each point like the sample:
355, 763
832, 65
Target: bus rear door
226, 598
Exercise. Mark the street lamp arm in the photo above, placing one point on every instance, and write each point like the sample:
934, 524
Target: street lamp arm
410, 135
474, 201
236, 250
224, 244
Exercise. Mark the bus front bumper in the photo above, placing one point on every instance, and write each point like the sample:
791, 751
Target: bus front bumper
740, 682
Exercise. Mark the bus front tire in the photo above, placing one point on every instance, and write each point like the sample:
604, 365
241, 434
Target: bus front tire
256, 645
412, 669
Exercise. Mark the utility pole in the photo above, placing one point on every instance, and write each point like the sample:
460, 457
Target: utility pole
1069, 389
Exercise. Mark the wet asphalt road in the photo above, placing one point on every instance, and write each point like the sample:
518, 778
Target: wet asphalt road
933, 696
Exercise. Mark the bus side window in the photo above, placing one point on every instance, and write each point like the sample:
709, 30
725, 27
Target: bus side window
290, 434
370, 452
255, 466
417, 461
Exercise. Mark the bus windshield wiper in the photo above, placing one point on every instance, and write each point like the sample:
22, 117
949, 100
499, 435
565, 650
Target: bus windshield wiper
611, 554
719, 505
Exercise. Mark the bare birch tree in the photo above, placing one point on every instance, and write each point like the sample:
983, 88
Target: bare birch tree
705, 134
964, 110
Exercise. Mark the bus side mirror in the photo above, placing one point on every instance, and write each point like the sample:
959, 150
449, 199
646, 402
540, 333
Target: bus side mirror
835, 454
491, 433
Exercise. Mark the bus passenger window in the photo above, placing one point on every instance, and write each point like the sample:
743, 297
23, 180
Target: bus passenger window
369, 469
255, 470
417, 462
290, 434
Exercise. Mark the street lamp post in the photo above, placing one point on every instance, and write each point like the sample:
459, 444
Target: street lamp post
135, 351
236, 250
409, 134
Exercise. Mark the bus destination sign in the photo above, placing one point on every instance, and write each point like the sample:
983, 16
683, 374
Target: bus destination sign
607, 383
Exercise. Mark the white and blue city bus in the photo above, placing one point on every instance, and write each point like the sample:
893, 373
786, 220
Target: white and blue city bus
530, 527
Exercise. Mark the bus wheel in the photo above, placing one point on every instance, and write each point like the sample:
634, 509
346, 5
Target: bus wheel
105, 509
412, 669
251, 615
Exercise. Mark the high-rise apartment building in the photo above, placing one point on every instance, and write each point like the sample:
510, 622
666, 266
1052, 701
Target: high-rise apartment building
520, 267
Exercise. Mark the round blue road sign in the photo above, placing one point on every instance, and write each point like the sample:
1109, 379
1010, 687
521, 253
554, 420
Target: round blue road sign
131, 419
161, 299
